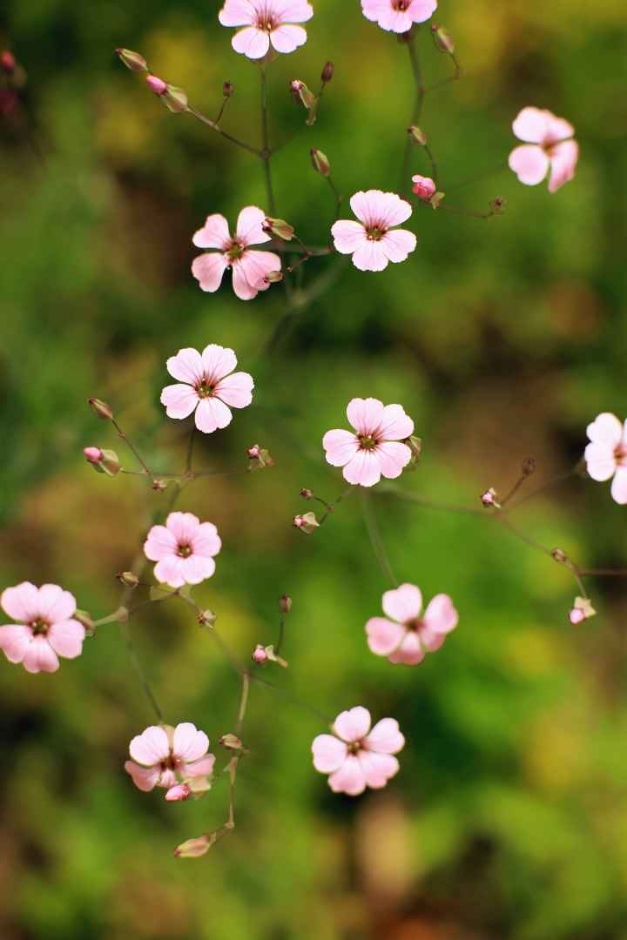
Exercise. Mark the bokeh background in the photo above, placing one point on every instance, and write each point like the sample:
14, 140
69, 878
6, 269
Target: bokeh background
503, 339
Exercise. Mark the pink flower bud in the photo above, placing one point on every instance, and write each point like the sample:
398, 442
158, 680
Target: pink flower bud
302, 94
156, 85
582, 610
320, 162
254, 452
424, 187
260, 655
196, 848
8, 62
307, 522
489, 498
178, 792
93, 454
576, 616
327, 73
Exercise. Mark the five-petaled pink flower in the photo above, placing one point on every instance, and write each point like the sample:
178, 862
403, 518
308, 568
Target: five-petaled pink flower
372, 450
210, 387
606, 455
356, 757
183, 549
398, 16
267, 23
250, 268
548, 146
168, 757
46, 627
408, 635
372, 241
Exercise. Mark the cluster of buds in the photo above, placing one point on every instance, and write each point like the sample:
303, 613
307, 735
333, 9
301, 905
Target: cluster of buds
306, 98
175, 99
266, 654
103, 461
258, 458
307, 522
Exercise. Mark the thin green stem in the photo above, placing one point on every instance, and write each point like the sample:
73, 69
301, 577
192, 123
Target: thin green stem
416, 114
132, 448
214, 127
266, 153
375, 538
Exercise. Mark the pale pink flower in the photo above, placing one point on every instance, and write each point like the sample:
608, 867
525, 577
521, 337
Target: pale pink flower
266, 23
210, 387
372, 450
45, 627
606, 455
162, 756
424, 187
398, 16
356, 757
406, 635
548, 147
183, 549
372, 241
250, 268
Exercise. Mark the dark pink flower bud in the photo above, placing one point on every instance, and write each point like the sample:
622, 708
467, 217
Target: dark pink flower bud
307, 522
327, 73
93, 454
320, 162
156, 85
178, 792
489, 498
260, 656
576, 616
254, 452
424, 187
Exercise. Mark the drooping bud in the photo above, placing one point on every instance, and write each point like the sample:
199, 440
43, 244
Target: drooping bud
285, 603
128, 578
327, 73
279, 228
93, 454
227, 89
101, 409
307, 522
132, 60
490, 499
424, 187
260, 655
320, 162
196, 848
582, 610
307, 494
302, 95
8, 62
175, 99
156, 85
178, 792
417, 135
207, 618
559, 556
231, 742
442, 39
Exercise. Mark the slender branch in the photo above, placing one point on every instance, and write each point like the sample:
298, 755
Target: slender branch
215, 127
416, 114
132, 448
266, 153
375, 538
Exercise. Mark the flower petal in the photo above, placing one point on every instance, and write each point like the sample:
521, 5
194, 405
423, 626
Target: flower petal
206, 540
394, 424
606, 429
235, 390
370, 257
179, 400
378, 768
217, 362
329, 753
384, 636
403, 604
55, 604
564, 158
352, 725
530, 164
600, 462
440, 615
340, 447
21, 602
409, 653
398, 244
531, 125
197, 568
200, 768
252, 42
159, 543
213, 234
40, 657
208, 269
66, 638
237, 13
619, 486
150, 747
363, 469
292, 11
189, 743
393, 458
250, 227
250, 272
144, 778
211, 415
170, 571
349, 778
288, 38
186, 366
366, 415
14, 641
385, 737
348, 236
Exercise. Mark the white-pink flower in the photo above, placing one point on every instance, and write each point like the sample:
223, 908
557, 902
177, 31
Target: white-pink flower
373, 449
356, 757
210, 387
250, 268
183, 548
606, 455
398, 16
406, 635
266, 23
45, 628
162, 756
548, 146
373, 242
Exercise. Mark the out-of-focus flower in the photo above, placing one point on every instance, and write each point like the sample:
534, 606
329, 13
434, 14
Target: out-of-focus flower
45, 628
407, 635
162, 756
548, 147
374, 448
356, 757
373, 242
606, 454
424, 187
267, 23
210, 387
250, 268
184, 549
398, 16
582, 610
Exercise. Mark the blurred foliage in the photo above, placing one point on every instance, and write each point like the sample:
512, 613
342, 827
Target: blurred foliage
502, 339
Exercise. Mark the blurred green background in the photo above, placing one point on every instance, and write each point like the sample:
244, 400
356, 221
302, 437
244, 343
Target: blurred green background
502, 339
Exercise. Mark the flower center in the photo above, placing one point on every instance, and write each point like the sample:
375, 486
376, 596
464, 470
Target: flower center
204, 389
414, 625
401, 5
184, 551
354, 747
266, 22
171, 762
367, 441
375, 233
620, 455
39, 627
235, 251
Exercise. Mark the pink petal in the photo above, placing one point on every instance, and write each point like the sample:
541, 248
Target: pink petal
606, 429
236, 13
250, 227
251, 42
144, 778
340, 446
394, 424
380, 12
292, 11
197, 568
421, 10
150, 747
393, 458
288, 38
55, 604
66, 638
530, 164
189, 743
366, 415
384, 636
430, 639
557, 128
212, 414
403, 604
178, 792
236, 390
370, 257
440, 615
600, 462
348, 236
352, 725
531, 125
170, 571
564, 158
398, 245
329, 753
179, 400
385, 737
213, 234
14, 641
410, 653
363, 469
208, 269
217, 362
206, 540
160, 543
186, 366
21, 602
183, 526
40, 657
349, 778
375, 207
378, 768
619, 486
249, 273
200, 768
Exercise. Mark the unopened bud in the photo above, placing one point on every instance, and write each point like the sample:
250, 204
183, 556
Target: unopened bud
132, 60
128, 578
307, 523
156, 85
559, 556
285, 603
417, 135
301, 94
415, 445
100, 408
254, 452
279, 228
258, 458
424, 187
178, 792
582, 610
227, 89
528, 467
273, 277
231, 742
490, 498
442, 39
175, 99
320, 162
93, 454
109, 463
8, 62
196, 848
327, 73
307, 494
206, 618
260, 655
159, 486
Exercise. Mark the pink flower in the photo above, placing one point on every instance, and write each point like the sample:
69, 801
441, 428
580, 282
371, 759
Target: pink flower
398, 16
45, 629
606, 455
372, 242
406, 637
210, 387
424, 187
168, 757
548, 146
354, 758
267, 23
372, 450
183, 549
250, 268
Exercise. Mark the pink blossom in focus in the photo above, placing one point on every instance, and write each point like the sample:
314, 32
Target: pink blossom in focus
406, 635
266, 23
45, 628
162, 756
548, 147
398, 16
250, 268
373, 449
373, 242
356, 757
606, 455
424, 187
210, 387
183, 549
